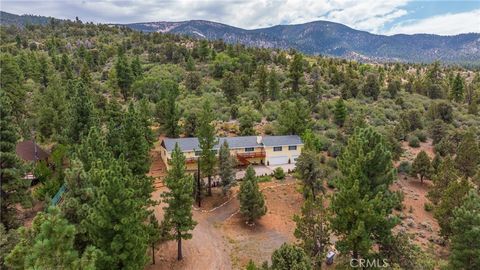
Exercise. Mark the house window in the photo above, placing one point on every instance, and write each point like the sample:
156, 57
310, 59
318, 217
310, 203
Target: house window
198, 153
277, 148
292, 147
249, 149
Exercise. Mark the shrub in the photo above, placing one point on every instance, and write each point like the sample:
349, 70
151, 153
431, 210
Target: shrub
279, 174
334, 150
405, 167
332, 163
331, 183
421, 135
264, 178
413, 141
428, 207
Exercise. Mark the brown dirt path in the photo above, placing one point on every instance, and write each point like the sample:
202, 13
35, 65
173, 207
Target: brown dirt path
221, 240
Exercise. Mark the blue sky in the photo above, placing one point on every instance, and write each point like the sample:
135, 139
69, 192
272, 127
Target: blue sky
376, 16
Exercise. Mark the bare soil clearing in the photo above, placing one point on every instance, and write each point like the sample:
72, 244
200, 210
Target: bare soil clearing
222, 240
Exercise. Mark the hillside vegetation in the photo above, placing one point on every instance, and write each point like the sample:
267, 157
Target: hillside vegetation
99, 96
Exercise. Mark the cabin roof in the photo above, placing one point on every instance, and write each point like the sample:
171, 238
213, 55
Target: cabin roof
190, 144
26, 151
282, 140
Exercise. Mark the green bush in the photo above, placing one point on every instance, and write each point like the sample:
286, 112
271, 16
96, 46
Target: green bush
331, 183
279, 174
264, 178
405, 167
428, 207
334, 150
332, 163
413, 141
421, 135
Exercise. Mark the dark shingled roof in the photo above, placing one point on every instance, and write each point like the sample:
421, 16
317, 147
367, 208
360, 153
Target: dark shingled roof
26, 151
188, 144
281, 140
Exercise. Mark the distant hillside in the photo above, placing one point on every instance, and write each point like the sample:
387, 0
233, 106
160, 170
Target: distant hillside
334, 39
22, 20
320, 37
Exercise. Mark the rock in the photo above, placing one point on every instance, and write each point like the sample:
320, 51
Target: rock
410, 223
426, 226
437, 240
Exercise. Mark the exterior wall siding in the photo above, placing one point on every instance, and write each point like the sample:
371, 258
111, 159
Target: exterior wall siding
291, 154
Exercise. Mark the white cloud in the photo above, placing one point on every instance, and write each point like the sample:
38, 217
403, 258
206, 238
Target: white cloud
368, 15
446, 24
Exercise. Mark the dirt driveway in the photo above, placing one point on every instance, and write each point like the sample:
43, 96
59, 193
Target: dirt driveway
221, 240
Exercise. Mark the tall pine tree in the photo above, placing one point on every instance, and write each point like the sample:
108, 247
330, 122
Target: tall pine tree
313, 230
13, 188
179, 199
117, 218
466, 234
207, 140
252, 203
363, 203
226, 168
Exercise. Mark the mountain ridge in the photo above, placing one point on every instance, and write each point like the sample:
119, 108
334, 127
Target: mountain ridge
332, 39
317, 38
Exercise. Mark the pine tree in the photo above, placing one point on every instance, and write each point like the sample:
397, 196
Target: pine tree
137, 147
468, 154
230, 86
340, 112
11, 84
14, 189
451, 199
207, 141
81, 114
8, 240
262, 76
421, 165
193, 81
309, 171
252, 203
293, 118
371, 87
48, 244
51, 109
116, 222
246, 122
172, 116
191, 125
136, 67
313, 230
45, 70
154, 231
393, 88
290, 257
124, 75
296, 71
273, 85
363, 203
446, 173
179, 199
457, 91
226, 169
465, 246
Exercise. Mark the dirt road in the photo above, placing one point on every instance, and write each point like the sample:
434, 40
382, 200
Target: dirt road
221, 240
